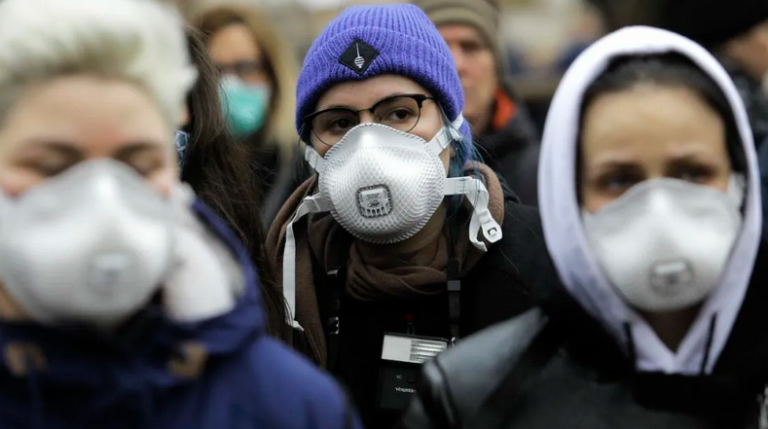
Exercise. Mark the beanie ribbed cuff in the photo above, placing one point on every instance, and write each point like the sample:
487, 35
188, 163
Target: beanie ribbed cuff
412, 58
408, 45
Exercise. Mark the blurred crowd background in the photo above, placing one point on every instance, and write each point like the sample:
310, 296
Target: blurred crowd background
539, 37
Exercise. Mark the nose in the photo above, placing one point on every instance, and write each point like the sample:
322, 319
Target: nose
367, 117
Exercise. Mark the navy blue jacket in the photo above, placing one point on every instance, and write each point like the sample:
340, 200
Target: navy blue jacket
150, 375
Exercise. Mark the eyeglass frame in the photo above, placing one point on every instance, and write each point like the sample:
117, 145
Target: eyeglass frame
242, 68
307, 127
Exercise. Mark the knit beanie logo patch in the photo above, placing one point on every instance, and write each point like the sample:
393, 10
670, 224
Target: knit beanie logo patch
358, 56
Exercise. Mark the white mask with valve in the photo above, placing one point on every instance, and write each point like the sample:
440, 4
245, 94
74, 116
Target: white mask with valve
383, 185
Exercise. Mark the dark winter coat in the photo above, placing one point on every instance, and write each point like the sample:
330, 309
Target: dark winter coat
503, 284
513, 151
51, 379
585, 358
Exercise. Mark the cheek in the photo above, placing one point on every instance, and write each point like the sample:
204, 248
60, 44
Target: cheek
15, 182
486, 71
257, 79
592, 202
164, 181
591, 199
321, 148
485, 81
429, 124
184, 117
721, 180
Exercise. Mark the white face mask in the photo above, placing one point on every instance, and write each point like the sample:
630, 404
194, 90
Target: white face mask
664, 244
383, 185
90, 246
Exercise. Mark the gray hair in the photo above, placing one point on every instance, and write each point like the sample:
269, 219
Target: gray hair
140, 41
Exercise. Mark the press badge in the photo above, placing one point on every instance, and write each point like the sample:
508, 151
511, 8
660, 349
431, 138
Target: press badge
401, 359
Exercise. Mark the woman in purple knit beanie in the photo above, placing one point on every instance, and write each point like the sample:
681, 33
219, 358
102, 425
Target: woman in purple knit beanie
403, 242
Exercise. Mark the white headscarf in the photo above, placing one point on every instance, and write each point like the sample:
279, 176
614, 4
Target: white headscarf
564, 231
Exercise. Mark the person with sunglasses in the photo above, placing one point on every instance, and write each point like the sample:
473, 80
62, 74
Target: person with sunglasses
403, 242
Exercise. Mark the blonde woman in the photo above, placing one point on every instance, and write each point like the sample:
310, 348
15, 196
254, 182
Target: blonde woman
124, 302
259, 76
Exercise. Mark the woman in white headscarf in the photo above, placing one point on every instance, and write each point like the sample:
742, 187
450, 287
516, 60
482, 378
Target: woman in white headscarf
650, 204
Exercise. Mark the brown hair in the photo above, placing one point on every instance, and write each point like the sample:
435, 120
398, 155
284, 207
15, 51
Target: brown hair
280, 67
218, 170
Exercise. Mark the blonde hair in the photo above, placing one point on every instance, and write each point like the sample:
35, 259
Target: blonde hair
280, 126
141, 41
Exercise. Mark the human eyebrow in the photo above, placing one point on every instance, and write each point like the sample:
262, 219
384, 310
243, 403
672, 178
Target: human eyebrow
64, 149
130, 150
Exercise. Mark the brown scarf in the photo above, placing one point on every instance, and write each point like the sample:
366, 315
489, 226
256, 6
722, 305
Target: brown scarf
374, 272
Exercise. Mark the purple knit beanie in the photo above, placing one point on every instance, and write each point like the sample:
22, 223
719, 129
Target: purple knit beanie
368, 41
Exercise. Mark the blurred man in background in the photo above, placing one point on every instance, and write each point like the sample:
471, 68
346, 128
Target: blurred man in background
503, 131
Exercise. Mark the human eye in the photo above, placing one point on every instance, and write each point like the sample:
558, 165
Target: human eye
616, 182
340, 125
400, 114
334, 123
693, 172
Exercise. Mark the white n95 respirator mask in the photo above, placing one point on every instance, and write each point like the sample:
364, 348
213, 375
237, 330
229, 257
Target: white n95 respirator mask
383, 185
89, 246
665, 243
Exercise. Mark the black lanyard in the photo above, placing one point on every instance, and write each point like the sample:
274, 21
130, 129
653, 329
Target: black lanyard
454, 298
454, 284
337, 281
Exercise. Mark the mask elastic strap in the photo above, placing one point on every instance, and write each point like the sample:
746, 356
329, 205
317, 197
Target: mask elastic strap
314, 159
312, 204
477, 193
446, 136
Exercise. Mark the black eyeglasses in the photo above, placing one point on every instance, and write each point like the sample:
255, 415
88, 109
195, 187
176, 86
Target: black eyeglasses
401, 112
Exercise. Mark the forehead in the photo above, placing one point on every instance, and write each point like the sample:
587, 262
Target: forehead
365, 93
233, 42
460, 32
95, 114
651, 119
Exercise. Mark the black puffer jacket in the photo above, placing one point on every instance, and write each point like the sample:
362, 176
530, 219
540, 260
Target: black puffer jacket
513, 152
